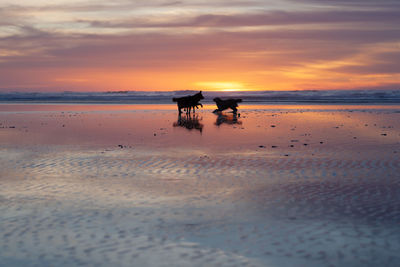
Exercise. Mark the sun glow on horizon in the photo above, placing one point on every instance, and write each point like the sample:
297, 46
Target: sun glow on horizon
223, 86
156, 45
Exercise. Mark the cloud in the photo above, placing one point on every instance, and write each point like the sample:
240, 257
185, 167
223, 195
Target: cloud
352, 3
157, 50
226, 37
372, 69
264, 19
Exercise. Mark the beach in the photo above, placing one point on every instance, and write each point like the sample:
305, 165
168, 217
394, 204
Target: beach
139, 185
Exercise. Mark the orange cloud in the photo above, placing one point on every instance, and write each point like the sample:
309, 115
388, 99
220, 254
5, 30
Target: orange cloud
222, 45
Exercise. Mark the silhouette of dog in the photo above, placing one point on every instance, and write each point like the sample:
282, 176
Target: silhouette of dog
193, 107
225, 104
189, 102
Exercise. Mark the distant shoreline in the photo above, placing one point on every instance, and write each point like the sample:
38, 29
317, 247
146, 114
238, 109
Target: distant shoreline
258, 97
245, 101
249, 97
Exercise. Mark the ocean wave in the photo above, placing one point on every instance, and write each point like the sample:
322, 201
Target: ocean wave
154, 97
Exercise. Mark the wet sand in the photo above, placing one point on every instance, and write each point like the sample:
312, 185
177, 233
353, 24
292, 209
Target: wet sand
135, 185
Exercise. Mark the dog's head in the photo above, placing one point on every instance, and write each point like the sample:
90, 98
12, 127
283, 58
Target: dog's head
199, 95
217, 99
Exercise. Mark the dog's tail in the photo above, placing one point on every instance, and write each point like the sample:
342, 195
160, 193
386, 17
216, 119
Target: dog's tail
174, 99
238, 100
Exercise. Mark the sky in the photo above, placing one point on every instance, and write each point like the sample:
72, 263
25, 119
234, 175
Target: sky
98, 45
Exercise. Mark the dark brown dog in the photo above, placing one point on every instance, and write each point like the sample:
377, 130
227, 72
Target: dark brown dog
189, 102
194, 107
225, 104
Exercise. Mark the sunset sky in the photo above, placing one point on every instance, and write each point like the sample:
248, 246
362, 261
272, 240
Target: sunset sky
97, 45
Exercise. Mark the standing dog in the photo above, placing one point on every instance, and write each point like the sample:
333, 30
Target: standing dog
225, 104
189, 102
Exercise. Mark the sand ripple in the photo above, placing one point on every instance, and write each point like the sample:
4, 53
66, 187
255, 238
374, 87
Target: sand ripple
266, 210
158, 202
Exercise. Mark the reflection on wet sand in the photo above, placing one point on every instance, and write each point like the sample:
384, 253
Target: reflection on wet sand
190, 122
101, 186
230, 118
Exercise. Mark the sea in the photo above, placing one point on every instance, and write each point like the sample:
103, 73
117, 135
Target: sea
248, 97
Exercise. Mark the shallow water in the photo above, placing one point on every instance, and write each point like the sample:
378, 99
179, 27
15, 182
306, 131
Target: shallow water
137, 185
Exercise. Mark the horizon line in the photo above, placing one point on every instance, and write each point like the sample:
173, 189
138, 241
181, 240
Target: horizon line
8, 90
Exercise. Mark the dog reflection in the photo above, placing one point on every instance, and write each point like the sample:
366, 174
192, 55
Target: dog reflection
227, 118
189, 122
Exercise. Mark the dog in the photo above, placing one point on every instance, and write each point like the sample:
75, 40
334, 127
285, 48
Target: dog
225, 104
194, 107
188, 102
